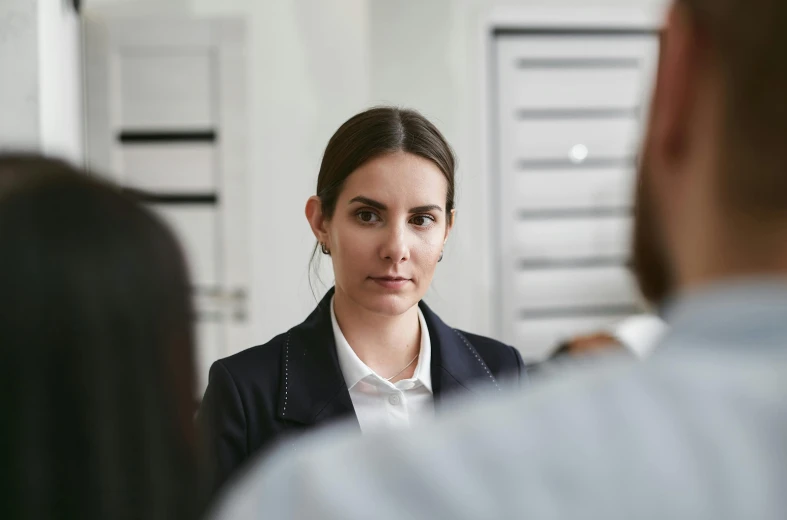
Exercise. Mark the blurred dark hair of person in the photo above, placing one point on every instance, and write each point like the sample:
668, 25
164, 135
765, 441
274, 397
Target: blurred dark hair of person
96, 353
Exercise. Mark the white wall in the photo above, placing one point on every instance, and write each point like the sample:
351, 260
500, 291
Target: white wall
60, 81
40, 78
18, 74
313, 64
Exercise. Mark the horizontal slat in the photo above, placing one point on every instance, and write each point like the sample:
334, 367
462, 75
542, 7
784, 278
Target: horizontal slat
601, 32
581, 88
573, 72
578, 311
570, 263
580, 189
166, 136
576, 113
164, 91
171, 199
596, 64
196, 227
613, 138
169, 168
566, 164
575, 46
573, 213
571, 238
574, 287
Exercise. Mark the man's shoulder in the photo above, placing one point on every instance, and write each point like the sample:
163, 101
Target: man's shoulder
603, 429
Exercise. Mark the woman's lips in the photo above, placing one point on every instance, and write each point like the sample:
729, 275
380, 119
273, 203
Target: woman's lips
390, 282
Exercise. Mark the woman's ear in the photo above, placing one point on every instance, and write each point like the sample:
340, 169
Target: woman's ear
449, 225
316, 219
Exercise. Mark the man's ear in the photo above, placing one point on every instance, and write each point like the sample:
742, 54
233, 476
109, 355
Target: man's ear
677, 83
317, 220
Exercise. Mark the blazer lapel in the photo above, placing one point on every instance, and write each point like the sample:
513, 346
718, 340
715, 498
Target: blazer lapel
456, 366
313, 389
312, 385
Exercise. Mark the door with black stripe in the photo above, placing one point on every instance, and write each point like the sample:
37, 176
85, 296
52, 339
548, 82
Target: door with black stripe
166, 119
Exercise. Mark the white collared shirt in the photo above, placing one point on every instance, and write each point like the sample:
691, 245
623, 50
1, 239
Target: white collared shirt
380, 404
641, 333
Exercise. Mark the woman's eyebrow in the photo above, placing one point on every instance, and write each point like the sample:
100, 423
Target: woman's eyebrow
382, 207
424, 209
369, 202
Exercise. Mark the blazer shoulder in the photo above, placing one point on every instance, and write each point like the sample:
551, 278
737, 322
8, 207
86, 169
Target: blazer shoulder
253, 361
499, 357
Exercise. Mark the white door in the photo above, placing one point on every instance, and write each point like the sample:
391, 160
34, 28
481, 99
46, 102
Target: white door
568, 110
166, 118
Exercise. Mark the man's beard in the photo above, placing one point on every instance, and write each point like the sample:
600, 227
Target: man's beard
649, 261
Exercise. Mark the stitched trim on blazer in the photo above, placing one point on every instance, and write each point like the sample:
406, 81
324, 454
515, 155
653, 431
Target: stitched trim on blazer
286, 372
475, 353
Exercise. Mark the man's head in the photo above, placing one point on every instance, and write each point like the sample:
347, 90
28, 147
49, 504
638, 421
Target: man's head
712, 174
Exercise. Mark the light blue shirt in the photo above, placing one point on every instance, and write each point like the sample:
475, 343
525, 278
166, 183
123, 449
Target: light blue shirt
697, 432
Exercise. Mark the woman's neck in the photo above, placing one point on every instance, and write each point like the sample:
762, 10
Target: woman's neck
384, 343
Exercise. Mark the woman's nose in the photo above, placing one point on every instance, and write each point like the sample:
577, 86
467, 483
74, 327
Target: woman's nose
395, 247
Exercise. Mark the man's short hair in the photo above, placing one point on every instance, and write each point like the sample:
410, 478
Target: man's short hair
749, 42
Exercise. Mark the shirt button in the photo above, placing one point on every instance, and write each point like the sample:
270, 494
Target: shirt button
394, 399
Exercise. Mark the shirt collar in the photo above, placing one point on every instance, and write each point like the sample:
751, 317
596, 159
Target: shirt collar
739, 313
354, 370
640, 334
423, 372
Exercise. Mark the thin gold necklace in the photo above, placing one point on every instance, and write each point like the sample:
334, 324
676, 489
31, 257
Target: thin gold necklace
405, 368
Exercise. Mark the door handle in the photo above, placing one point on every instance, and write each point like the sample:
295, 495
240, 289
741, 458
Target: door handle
230, 303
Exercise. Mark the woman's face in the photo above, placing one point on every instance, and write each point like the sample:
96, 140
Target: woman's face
387, 232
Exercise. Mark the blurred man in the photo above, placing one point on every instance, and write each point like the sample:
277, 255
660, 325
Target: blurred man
699, 431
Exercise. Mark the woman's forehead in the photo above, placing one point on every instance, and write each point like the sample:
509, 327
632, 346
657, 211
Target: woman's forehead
397, 177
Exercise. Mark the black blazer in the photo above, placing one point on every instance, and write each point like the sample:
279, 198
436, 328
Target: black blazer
294, 383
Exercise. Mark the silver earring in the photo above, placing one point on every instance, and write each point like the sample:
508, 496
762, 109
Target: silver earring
441, 257
325, 250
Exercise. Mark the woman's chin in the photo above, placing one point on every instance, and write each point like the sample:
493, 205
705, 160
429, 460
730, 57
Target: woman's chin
392, 304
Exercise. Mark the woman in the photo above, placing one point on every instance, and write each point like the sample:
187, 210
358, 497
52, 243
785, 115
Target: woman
371, 351
96, 375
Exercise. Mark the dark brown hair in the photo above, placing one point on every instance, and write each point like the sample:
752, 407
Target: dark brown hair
749, 43
376, 132
96, 352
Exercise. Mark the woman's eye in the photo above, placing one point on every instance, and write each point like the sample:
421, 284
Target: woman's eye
422, 220
367, 217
